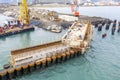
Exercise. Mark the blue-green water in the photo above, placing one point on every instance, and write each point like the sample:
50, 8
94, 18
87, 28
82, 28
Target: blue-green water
101, 62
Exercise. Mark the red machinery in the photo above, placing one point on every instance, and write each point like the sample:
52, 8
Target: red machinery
75, 8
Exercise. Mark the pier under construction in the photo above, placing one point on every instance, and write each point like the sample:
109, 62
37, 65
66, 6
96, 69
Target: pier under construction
75, 42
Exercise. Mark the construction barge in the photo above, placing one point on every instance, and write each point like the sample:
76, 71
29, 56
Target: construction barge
23, 61
14, 26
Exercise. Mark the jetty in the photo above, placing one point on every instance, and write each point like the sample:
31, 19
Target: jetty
23, 61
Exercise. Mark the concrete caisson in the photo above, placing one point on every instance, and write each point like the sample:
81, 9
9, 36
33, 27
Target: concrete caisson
31, 67
48, 61
25, 69
3, 74
18, 71
10, 73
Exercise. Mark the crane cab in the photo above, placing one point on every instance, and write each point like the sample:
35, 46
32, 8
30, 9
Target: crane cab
11, 22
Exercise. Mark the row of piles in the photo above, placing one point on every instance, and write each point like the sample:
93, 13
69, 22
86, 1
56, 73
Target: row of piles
100, 24
10, 73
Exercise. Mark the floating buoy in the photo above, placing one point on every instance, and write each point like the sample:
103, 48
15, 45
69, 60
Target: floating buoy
104, 35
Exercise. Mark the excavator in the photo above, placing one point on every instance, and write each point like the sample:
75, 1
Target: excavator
75, 7
24, 13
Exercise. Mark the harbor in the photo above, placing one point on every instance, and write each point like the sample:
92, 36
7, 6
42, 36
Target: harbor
92, 55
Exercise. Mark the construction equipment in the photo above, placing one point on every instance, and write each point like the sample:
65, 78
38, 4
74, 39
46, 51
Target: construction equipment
51, 14
24, 12
75, 7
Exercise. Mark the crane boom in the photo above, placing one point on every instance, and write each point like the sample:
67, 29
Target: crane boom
24, 12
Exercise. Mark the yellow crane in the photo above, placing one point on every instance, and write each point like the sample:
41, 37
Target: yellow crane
24, 13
